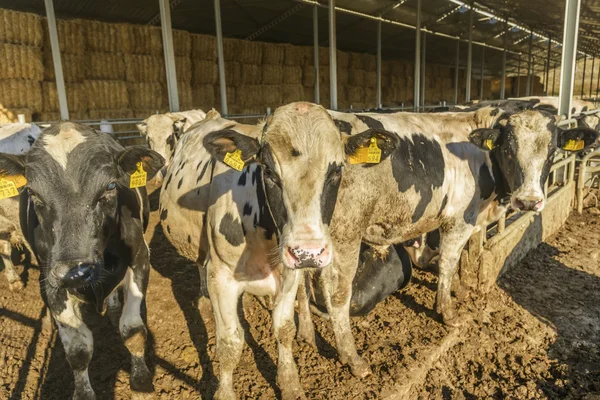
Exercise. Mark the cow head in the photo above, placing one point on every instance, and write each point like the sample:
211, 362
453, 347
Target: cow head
523, 144
162, 131
77, 183
302, 154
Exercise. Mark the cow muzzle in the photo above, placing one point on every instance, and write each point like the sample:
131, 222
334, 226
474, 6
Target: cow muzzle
82, 274
528, 203
308, 256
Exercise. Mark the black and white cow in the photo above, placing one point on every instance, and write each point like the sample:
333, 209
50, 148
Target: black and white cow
86, 228
257, 228
436, 171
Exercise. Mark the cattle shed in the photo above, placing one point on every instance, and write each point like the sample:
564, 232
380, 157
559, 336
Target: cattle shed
122, 61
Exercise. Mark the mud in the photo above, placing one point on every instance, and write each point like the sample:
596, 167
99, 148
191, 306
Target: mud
536, 335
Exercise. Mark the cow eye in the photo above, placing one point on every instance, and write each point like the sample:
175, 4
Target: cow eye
111, 186
271, 176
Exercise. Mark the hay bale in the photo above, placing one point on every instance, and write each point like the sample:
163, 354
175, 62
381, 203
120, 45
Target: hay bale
7, 116
182, 43
142, 68
309, 55
292, 74
259, 95
323, 55
308, 76
356, 77
147, 95
183, 69
71, 39
55, 116
21, 93
111, 38
106, 95
242, 51
369, 62
186, 101
117, 113
354, 94
203, 96
272, 53
205, 72
370, 96
73, 65
309, 94
232, 97
233, 73
342, 75
76, 98
21, 62
294, 55
370, 79
342, 59
291, 93
251, 74
355, 61
147, 40
105, 66
393, 68
272, 74
20, 28
409, 69
204, 47
324, 75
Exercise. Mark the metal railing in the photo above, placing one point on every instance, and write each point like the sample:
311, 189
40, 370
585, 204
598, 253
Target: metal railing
585, 167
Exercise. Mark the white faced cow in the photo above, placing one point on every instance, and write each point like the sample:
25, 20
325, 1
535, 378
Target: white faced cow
85, 225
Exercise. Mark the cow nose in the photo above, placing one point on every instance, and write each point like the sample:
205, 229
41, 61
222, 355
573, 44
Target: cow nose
80, 275
308, 256
529, 204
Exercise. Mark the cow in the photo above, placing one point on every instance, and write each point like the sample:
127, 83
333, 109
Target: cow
252, 204
85, 224
15, 138
162, 131
435, 171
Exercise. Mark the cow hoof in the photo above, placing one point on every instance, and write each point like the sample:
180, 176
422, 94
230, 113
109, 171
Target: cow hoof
307, 335
141, 378
453, 320
15, 286
225, 394
360, 368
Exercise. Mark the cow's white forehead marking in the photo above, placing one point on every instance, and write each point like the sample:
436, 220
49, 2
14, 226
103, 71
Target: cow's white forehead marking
59, 146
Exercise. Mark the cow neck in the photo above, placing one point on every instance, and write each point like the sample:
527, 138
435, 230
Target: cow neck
501, 187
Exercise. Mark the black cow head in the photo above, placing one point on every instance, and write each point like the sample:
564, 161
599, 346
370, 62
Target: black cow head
77, 188
302, 154
523, 144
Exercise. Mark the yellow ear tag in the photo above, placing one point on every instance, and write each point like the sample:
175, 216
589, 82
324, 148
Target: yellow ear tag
138, 178
574, 145
234, 160
489, 144
374, 155
10, 184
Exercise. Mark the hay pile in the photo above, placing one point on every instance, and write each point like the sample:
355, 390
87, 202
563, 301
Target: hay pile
147, 95
6, 116
183, 69
76, 97
147, 40
111, 38
185, 96
144, 68
106, 95
21, 93
71, 37
73, 65
20, 62
205, 72
20, 28
204, 47
105, 66
272, 54
242, 51
204, 96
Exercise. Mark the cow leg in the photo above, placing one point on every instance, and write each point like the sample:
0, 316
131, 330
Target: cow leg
284, 329
306, 327
453, 239
132, 327
114, 307
78, 343
224, 294
336, 282
14, 282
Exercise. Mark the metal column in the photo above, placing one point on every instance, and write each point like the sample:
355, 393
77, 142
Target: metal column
482, 73
332, 56
417, 78
583, 76
456, 71
529, 67
469, 55
554, 78
167, 37
423, 65
58, 71
598, 83
222, 83
316, 51
378, 100
548, 61
503, 79
569, 55
519, 76
592, 75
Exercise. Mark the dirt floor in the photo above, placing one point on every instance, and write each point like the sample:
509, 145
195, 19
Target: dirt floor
535, 336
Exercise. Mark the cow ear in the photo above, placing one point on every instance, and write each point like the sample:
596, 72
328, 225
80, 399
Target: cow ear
178, 127
12, 165
485, 138
143, 128
358, 146
152, 162
231, 147
577, 138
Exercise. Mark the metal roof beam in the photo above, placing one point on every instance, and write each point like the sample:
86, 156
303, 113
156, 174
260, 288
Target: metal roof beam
276, 21
156, 19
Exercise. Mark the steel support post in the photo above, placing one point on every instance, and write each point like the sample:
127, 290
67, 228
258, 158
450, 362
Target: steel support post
332, 56
546, 81
554, 78
583, 76
167, 37
469, 56
482, 73
598, 83
519, 76
569, 57
316, 52
456, 71
378, 100
58, 70
423, 66
221, 59
503, 79
417, 79
529, 66
592, 76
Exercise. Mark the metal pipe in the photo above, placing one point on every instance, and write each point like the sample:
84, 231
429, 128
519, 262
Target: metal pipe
423, 68
532, 80
592, 75
569, 55
503, 79
417, 71
529, 67
482, 72
469, 56
332, 56
598, 83
58, 70
583, 76
519, 76
548, 61
167, 37
221, 59
456, 72
554, 78
316, 52
378, 100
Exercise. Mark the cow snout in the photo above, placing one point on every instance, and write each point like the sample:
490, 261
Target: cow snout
529, 203
80, 275
308, 256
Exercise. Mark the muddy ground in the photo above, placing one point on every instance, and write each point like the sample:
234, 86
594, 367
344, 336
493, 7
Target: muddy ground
535, 336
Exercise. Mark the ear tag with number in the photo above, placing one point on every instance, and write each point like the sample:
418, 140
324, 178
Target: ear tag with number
10, 184
489, 143
374, 154
138, 178
234, 160
574, 145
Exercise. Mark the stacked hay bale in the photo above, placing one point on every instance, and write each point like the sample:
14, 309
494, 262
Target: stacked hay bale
21, 67
205, 74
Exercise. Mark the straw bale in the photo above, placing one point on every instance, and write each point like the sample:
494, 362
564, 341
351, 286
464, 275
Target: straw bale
105, 66
205, 71
291, 93
272, 74
233, 73
409, 69
355, 61
186, 101
27, 114
294, 55
147, 40
146, 95
203, 96
71, 39
117, 113
309, 55
272, 53
308, 76
324, 75
20, 62
76, 98
309, 94
232, 98
7, 116
52, 116
370, 79
342, 59
259, 95
251, 74
73, 65
354, 94
370, 96
110, 38
323, 55
342, 75
20, 28
292, 74
356, 77
21, 93
204, 47
183, 69
243, 51
106, 95
182, 43
369, 62
143, 68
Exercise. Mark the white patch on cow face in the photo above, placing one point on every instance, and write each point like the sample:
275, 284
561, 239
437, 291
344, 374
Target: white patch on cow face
61, 145
159, 131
